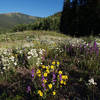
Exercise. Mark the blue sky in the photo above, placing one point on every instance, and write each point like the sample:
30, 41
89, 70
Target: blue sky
41, 8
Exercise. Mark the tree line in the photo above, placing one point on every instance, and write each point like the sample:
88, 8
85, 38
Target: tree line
51, 23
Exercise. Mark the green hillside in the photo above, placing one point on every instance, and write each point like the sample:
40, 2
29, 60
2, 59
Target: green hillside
50, 23
8, 20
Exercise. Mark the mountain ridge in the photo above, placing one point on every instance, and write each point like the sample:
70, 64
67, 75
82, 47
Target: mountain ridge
8, 20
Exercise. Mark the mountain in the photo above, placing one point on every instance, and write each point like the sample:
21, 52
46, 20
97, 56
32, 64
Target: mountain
8, 20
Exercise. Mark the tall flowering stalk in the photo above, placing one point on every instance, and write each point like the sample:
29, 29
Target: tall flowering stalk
60, 76
54, 78
43, 83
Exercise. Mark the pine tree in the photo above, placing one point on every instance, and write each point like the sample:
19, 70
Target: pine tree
80, 17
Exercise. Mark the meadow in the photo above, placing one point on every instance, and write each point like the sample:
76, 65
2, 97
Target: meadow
46, 65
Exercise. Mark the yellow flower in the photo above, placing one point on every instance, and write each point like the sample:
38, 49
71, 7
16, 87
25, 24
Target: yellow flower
47, 71
52, 67
45, 81
50, 86
45, 74
40, 93
39, 75
61, 81
43, 66
47, 67
54, 92
64, 83
60, 85
38, 71
53, 62
64, 77
60, 72
58, 63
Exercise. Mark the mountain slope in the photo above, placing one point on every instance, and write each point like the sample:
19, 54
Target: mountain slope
8, 20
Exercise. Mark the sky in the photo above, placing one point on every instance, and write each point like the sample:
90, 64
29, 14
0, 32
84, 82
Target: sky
40, 8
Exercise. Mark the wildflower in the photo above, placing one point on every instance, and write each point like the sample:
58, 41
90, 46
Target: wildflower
43, 66
32, 73
28, 89
60, 72
43, 58
43, 84
54, 92
45, 81
47, 67
40, 93
64, 82
28, 57
64, 77
50, 86
47, 71
60, 76
52, 67
53, 62
15, 63
54, 76
38, 71
58, 63
95, 44
60, 85
61, 81
91, 82
45, 74
12, 58
39, 75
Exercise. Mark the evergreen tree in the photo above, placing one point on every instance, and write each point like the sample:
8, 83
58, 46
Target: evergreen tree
80, 17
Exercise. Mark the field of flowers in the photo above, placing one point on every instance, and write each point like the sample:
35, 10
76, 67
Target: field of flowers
49, 67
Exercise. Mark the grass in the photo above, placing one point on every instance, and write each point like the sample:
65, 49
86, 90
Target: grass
19, 39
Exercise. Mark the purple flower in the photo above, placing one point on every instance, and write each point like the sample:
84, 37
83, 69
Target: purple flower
28, 89
85, 46
42, 78
95, 44
43, 58
54, 77
60, 76
43, 84
97, 51
33, 73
